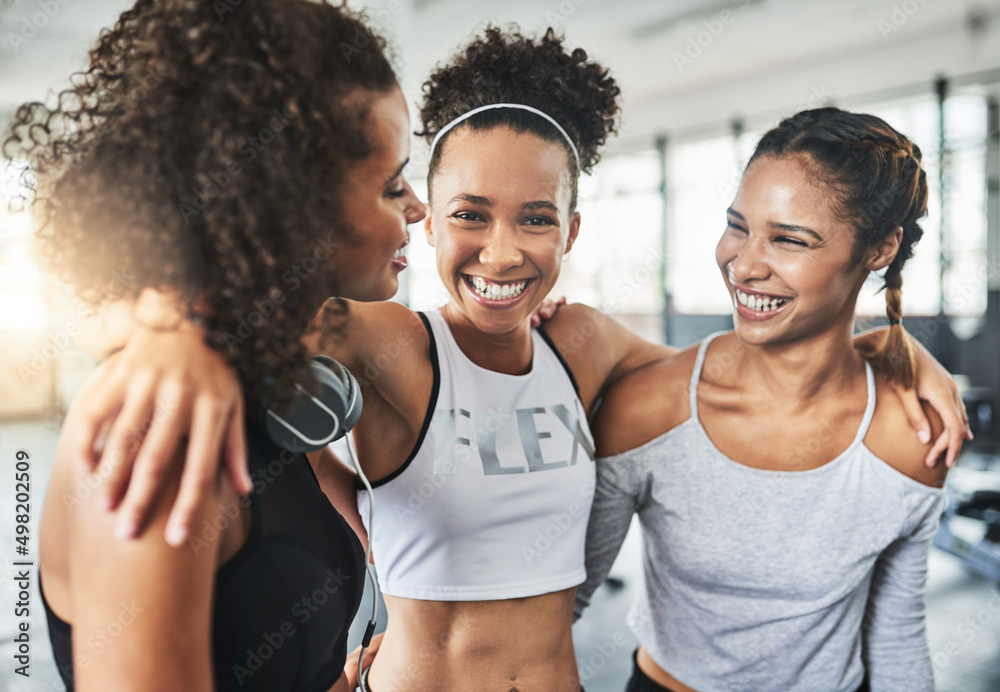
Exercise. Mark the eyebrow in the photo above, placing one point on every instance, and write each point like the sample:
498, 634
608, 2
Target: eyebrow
540, 204
486, 202
471, 199
792, 228
398, 171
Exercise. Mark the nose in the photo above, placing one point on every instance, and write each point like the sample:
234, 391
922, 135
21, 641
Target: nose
750, 262
500, 250
415, 210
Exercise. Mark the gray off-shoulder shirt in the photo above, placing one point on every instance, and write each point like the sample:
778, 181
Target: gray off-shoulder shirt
762, 580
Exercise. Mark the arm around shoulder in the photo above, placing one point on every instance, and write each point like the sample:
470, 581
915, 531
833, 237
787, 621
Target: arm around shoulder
623, 349
643, 405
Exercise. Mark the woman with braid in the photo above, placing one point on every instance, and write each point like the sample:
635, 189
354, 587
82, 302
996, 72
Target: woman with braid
785, 556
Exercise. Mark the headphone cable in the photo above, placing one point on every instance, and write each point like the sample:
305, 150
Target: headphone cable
370, 631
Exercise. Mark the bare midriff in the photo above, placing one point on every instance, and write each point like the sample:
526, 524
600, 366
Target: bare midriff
521, 644
661, 677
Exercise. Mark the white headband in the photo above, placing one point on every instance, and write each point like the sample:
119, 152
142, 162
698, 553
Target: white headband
444, 130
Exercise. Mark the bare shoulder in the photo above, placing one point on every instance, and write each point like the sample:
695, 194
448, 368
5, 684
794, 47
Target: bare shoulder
382, 314
644, 404
891, 438
364, 333
358, 320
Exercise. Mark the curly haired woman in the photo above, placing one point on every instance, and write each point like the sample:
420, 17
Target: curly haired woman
159, 189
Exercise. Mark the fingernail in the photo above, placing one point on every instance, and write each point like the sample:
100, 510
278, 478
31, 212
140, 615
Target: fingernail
175, 535
924, 436
124, 530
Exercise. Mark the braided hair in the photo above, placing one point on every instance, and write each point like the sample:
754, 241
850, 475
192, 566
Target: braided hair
879, 185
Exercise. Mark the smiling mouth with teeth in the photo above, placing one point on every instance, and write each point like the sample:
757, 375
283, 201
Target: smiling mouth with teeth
399, 257
760, 303
489, 290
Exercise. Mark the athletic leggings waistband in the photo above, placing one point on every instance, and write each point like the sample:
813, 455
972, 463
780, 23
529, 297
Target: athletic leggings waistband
640, 682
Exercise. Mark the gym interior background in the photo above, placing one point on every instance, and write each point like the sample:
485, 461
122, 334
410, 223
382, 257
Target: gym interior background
702, 79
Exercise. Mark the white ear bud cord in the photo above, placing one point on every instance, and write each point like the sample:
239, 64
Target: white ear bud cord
370, 631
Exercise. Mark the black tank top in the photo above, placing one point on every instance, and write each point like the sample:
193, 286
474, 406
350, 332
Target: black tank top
284, 603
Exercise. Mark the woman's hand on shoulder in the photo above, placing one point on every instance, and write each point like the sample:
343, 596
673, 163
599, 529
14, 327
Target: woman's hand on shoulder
936, 387
546, 311
163, 387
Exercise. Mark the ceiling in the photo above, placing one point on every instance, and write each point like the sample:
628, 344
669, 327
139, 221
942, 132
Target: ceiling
685, 65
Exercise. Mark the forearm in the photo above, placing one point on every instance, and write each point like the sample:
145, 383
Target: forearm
107, 331
634, 352
610, 518
111, 327
895, 648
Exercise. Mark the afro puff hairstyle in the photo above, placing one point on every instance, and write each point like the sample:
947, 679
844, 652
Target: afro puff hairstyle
504, 66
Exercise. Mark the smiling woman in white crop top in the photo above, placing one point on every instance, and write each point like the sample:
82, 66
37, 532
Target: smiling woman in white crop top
787, 513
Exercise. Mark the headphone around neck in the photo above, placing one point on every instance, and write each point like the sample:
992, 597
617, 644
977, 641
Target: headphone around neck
313, 422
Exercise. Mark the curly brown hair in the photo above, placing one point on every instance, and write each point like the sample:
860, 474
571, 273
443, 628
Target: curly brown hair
202, 152
504, 66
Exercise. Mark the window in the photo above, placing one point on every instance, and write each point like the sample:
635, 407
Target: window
702, 179
21, 304
615, 263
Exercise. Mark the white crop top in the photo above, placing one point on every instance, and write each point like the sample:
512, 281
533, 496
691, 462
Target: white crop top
494, 500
